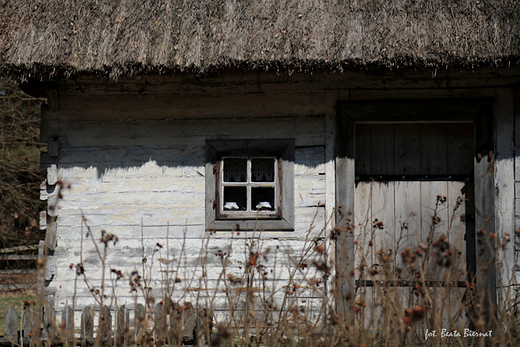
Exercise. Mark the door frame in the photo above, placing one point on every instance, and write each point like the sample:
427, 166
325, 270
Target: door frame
480, 113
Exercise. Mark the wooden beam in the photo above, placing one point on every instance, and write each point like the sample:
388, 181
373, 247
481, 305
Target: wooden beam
345, 188
485, 270
18, 271
19, 249
505, 193
18, 257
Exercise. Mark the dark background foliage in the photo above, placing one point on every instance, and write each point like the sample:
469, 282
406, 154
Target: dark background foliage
20, 175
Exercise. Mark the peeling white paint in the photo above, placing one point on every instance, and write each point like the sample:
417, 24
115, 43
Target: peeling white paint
143, 203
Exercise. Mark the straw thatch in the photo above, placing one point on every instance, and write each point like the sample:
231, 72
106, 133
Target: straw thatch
130, 35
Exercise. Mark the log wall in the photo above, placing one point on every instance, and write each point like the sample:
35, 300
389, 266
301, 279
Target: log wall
133, 153
136, 169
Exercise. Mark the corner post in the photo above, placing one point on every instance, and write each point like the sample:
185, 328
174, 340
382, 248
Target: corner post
345, 189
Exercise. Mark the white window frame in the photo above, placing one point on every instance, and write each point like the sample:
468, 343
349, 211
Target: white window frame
249, 184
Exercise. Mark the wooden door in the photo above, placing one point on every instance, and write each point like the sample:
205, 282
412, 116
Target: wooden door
412, 194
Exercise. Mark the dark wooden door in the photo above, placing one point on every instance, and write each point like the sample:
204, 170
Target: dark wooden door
412, 195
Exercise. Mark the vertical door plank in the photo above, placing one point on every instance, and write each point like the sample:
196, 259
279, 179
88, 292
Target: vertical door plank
408, 228
457, 234
434, 222
457, 308
439, 313
362, 220
432, 207
457, 227
363, 149
434, 149
382, 149
383, 211
407, 219
460, 148
407, 149
383, 235
363, 254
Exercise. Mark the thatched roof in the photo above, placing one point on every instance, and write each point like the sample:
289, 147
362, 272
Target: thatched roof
128, 35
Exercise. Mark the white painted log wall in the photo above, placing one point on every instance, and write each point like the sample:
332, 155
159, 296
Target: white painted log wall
142, 179
151, 169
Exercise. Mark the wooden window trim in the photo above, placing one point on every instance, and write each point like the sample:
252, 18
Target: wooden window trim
283, 150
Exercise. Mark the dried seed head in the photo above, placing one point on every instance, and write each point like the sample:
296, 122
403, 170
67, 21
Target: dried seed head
418, 312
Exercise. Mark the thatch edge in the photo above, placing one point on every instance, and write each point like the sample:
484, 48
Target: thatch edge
23, 72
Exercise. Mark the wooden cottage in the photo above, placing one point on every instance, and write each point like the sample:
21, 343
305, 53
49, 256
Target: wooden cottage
315, 142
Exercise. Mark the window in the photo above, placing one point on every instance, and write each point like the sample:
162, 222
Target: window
249, 184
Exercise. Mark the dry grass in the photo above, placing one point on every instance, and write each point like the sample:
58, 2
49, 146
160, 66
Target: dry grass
259, 311
248, 305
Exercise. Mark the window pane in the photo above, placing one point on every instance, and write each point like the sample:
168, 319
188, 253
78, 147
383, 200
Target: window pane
235, 169
262, 169
262, 198
235, 198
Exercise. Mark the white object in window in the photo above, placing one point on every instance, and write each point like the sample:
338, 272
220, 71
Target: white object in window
231, 206
264, 204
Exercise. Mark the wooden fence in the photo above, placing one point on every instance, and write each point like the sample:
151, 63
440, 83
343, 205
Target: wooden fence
167, 324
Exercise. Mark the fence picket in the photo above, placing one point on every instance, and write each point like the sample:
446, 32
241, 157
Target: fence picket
123, 317
160, 323
172, 324
87, 323
29, 321
139, 313
11, 323
49, 320
105, 323
139, 321
67, 318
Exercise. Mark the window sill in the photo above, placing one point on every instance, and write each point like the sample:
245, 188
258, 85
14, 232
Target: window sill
250, 225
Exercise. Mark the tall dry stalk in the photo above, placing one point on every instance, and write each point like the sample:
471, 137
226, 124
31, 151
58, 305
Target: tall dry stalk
278, 297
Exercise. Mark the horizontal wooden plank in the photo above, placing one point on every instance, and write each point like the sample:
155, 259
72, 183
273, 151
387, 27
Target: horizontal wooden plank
129, 226
371, 77
309, 160
188, 248
121, 157
382, 284
19, 249
186, 106
192, 277
178, 208
181, 134
363, 94
418, 110
17, 286
18, 271
18, 257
